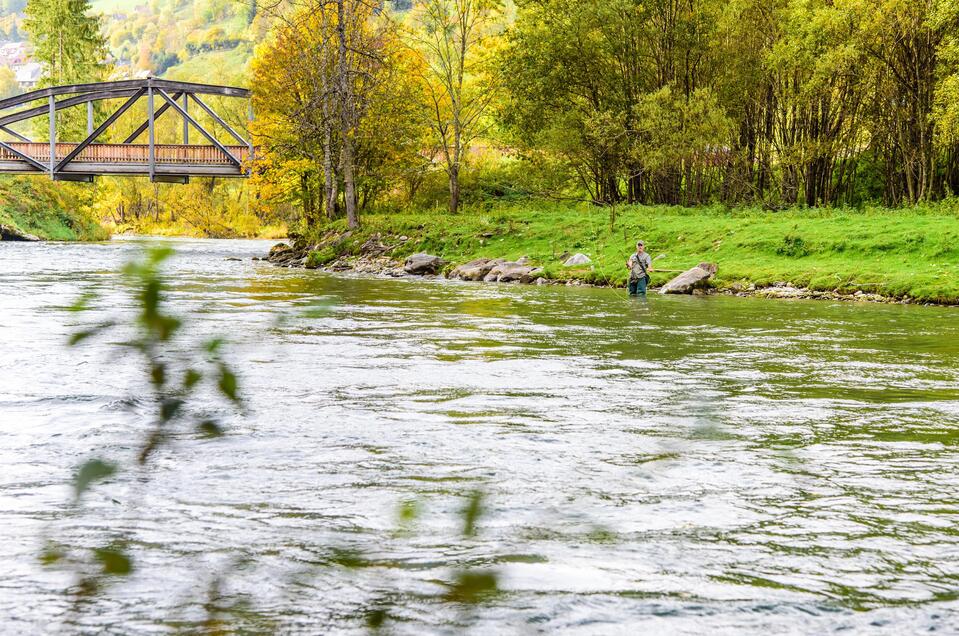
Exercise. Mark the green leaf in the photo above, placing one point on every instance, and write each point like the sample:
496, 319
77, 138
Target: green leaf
167, 326
472, 587
113, 560
52, 554
471, 513
191, 378
214, 345
83, 303
210, 429
228, 384
158, 374
169, 408
86, 334
93, 470
80, 336
376, 617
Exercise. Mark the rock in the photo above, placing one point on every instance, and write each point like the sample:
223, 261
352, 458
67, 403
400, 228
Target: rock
511, 272
577, 259
420, 264
373, 246
232, 258
523, 260
10, 233
278, 249
476, 269
695, 278
534, 276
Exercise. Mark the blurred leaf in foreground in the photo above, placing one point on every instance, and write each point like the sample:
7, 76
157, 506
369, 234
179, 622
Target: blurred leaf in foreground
473, 587
93, 470
472, 512
114, 560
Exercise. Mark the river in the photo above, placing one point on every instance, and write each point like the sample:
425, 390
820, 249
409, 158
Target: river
682, 465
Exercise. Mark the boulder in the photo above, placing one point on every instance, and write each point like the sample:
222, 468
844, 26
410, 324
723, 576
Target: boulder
511, 272
420, 264
476, 269
577, 259
10, 233
695, 278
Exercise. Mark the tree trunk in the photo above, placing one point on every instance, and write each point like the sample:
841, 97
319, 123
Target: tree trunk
346, 120
454, 174
329, 176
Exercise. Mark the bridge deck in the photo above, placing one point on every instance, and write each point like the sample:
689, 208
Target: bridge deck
129, 159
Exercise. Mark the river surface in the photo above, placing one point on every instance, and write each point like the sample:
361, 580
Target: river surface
676, 466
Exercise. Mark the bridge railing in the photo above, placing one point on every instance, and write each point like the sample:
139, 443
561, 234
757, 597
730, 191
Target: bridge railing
167, 154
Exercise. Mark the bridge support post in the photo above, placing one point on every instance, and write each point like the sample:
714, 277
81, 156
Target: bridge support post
89, 118
249, 132
53, 134
152, 157
186, 123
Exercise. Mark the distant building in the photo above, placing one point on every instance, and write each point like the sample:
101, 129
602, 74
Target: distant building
28, 75
14, 53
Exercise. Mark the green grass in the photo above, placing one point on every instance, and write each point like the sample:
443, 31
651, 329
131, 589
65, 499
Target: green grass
50, 210
908, 252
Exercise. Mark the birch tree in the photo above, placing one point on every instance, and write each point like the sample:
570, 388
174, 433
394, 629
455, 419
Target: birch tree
455, 38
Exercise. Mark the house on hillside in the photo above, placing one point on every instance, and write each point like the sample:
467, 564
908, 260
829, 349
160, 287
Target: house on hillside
28, 75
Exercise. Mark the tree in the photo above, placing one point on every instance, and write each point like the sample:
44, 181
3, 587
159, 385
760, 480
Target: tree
454, 36
347, 107
335, 129
66, 40
68, 43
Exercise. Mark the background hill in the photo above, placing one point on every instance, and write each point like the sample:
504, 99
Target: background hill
172, 38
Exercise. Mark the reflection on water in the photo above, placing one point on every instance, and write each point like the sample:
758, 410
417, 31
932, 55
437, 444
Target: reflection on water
678, 465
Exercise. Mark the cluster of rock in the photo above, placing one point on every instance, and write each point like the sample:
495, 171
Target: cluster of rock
497, 270
783, 290
10, 233
285, 255
373, 258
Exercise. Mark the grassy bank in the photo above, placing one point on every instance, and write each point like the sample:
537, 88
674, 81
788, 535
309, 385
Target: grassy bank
50, 210
913, 252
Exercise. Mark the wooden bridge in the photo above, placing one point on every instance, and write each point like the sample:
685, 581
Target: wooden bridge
83, 160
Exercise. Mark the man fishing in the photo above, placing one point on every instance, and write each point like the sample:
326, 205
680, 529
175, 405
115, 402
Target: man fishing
639, 265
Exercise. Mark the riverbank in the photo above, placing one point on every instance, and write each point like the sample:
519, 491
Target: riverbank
874, 253
46, 210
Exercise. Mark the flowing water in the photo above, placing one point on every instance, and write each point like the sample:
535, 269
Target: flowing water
680, 465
